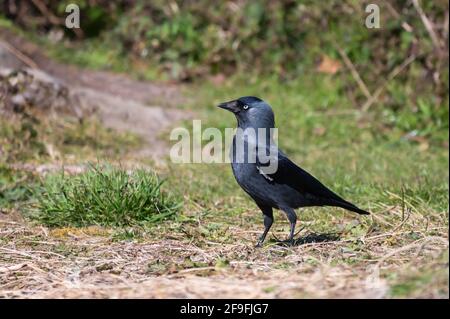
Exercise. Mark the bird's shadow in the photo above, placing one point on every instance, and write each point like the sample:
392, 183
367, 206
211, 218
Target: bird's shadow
309, 239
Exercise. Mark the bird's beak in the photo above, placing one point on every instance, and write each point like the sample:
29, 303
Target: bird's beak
231, 106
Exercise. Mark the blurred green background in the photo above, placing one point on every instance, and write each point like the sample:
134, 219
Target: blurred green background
402, 65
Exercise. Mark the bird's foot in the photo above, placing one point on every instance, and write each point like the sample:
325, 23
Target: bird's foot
261, 239
258, 244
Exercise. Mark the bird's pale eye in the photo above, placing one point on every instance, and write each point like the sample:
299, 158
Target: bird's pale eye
245, 107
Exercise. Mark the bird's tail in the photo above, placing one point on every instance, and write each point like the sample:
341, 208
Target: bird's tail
349, 206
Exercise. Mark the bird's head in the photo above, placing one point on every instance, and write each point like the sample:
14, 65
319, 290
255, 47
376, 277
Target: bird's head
251, 111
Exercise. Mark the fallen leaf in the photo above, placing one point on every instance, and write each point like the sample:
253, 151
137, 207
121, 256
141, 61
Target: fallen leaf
319, 130
328, 65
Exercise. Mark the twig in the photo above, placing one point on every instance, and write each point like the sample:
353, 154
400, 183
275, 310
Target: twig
49, 15
404, 220
390, 77
190, 270
26, 254
415, 244
354, 72
17, 252
426, 22
22, 57
299, 231
12, 268
405, 25
276, 238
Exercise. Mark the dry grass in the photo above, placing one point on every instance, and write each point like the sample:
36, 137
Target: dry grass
36, 262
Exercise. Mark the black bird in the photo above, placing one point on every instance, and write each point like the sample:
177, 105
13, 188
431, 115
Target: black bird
288, 187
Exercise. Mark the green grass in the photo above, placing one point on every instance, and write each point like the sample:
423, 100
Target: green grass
104, 196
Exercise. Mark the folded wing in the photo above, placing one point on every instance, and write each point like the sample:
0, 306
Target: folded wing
294, 176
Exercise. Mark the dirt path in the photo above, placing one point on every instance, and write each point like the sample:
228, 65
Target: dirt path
121, 103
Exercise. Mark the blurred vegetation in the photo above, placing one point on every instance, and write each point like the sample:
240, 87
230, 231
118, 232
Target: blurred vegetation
286, 40
15, 187
38, 122
42, 139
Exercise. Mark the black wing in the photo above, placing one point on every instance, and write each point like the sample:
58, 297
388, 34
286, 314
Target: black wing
289, 173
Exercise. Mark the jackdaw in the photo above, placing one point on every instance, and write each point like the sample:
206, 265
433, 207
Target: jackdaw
274, 181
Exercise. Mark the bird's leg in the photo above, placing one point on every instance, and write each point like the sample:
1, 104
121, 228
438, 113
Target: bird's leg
292, 217
268, 221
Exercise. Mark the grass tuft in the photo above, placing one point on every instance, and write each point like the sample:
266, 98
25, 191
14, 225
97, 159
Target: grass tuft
105, 196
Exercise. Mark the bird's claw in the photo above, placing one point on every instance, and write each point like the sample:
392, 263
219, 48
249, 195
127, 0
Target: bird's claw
259, 244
